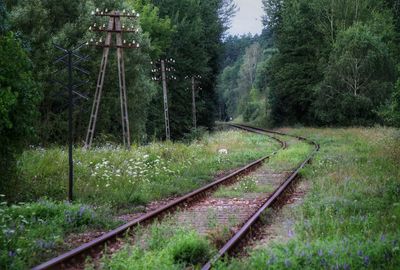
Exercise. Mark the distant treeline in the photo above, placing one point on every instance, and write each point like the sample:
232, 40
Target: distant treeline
318, 62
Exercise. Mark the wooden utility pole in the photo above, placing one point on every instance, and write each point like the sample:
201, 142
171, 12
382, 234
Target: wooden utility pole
194, 88
161, 73
194, 102
114, 26
165, 94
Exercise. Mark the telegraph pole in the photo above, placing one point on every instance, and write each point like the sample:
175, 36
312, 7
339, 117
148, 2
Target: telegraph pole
160, 72
70, 136
194, 102
71, 86
194, 88
165, 94
114, 26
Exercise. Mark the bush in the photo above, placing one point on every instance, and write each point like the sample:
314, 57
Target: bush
19, 98
190, 249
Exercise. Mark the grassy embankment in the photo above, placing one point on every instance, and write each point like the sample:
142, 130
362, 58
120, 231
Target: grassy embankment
350, 218
107, 178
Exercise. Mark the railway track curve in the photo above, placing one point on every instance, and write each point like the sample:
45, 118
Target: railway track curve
236, 239
79, 254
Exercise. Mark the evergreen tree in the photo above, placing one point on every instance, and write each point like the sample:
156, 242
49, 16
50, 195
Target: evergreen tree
294, 69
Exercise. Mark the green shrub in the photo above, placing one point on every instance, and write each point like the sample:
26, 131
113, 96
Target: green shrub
190, 249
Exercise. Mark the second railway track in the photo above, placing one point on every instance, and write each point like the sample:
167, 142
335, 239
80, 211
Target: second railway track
78, 255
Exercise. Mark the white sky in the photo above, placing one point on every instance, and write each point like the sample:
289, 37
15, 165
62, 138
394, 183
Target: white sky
248, 18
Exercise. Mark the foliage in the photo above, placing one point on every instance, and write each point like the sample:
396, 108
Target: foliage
32, 233
357, 81
196, 46
190, 249
19, 97
162, 246
315, 47
189, 31
391, 112
127, 179
242, 85
294, 70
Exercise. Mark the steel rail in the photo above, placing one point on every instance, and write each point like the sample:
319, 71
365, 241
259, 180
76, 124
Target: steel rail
85, 249
233, 242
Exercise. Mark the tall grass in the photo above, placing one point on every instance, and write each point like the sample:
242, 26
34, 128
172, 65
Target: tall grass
111, 175
31, 233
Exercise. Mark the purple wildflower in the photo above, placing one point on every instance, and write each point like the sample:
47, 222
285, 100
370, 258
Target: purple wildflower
383, 237
271, 260
359, 253
320, 253
8, 232
44, 244
290, 234
81, 211
346, 266
366, 260
12, 253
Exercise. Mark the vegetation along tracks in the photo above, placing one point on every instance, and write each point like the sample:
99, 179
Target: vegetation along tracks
79, 254
242, 232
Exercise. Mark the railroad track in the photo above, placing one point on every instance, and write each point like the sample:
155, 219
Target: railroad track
245, 229
79, 254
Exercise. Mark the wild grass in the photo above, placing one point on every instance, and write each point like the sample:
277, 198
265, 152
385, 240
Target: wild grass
113, 176
246, 185
292, 157
162, 246
31, 233
350, 218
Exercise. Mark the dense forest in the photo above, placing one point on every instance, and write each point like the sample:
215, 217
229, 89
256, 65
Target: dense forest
318, 62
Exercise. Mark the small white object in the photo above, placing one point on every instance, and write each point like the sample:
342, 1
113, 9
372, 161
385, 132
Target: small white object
223, 151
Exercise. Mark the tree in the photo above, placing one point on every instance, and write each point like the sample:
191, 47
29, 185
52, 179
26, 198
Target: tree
66, 23
247, 74
19, 97
358, 80
294, 70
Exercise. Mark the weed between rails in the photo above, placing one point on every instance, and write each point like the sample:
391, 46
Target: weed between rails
246, 185
161, 246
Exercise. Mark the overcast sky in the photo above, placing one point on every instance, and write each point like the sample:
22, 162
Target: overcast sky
248, 18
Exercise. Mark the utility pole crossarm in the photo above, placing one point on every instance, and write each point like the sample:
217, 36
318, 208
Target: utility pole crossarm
114, 27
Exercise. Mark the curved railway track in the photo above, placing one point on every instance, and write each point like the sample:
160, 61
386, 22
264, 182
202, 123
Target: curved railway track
244, 230
79, 254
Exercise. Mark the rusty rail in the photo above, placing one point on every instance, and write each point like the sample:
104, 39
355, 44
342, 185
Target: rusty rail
85, 249
233, 242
